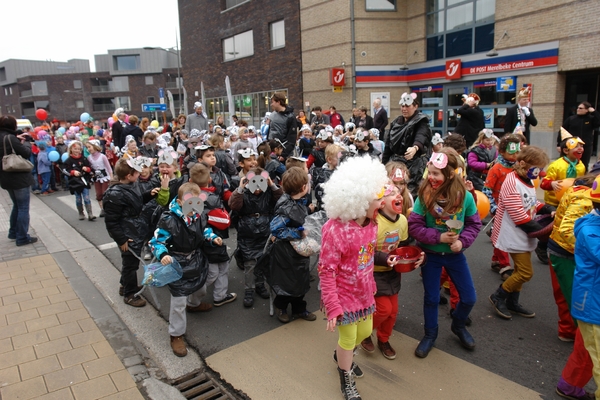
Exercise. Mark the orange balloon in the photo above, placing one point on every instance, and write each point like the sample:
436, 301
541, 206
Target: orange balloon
536, 182
483, 204
565, 184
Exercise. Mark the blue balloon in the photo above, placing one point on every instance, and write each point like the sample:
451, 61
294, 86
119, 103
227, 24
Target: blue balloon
62, 130
84, 117
53, 156
64, 157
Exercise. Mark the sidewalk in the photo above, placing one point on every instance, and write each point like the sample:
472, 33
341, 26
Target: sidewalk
50, 347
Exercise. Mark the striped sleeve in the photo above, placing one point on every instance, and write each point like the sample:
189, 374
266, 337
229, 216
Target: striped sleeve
513, 203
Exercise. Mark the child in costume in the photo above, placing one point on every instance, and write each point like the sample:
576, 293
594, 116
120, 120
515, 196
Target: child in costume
353, 195
317, 155
392, 232
306, 143
289, 271
102, 170
123, 203
180, 235
482, 157
514, 221
321, 175
79, 170
586, 285
272, 165
377, 144
445, 221
253, 203
399, 175
509, 148
437, 142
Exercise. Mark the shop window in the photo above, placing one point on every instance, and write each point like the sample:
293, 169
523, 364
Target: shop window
380, 5
277, 34
494, 103
238, 46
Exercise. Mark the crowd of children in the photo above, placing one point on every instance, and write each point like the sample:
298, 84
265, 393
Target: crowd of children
174, 196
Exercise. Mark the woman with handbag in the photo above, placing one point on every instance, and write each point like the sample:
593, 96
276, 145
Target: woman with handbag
17, 184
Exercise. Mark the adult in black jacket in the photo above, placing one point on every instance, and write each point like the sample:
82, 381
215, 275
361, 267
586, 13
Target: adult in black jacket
283, 124
409, 141
583, 125
520, 113
117, 129
471, 119
380, 117
134, 130
365, 121
17, 184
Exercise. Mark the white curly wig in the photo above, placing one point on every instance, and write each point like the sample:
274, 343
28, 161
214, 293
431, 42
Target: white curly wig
353, 185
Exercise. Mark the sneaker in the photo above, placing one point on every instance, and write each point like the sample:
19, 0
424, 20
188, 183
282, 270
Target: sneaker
282, 316
355, 368
29, 241
387, 350
504, 275
306, 315
178, 346
566, 338
37, 191
586, 396
122, 290
248, 298
542, 255
202, 307
228, 299
262, 291
496, 266
367, 345
134, 301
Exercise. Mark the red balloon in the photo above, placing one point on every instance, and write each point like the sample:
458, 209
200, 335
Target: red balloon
41, 114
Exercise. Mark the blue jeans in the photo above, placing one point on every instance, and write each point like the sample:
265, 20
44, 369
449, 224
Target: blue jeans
458, 270
83, 197
45, 181
19, 216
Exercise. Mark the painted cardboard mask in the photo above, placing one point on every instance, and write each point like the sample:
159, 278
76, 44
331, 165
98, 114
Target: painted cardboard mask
257, 182
191, 203
166, 157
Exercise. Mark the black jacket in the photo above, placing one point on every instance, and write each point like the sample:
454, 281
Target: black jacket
214, 253
78, 183
582, 126
123, 205
117, 134
185, 245
404, 134
225, 163
380, 121
371, 152
134, 131
319, 177
306, 146
284, 127
14, 180
368, 124
470, 124
512, 118
148, 151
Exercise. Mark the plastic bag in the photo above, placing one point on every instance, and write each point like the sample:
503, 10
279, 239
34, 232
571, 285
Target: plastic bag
311, 244
306, 246
159, 275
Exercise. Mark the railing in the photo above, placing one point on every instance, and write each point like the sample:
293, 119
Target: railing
28, 111
172, 85
101, 88
104, 107
26, 93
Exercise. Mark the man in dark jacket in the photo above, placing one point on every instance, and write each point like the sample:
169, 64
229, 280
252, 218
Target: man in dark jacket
17, 184
520, 113
471, 119
283, 124
365, 121
380, 117
583, 125
117, 128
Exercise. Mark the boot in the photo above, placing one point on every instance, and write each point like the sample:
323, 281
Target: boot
248, 298
178, 346
498, 300
358, 373
81, 214
91, 216
512, 303
261, 290
458, 328
348, 386
426, 344
101, 209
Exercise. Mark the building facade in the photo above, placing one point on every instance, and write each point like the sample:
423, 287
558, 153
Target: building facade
124, 78
256, 43
445, 48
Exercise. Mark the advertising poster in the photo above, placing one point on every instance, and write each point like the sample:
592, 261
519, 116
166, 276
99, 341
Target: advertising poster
488, 117
429, 114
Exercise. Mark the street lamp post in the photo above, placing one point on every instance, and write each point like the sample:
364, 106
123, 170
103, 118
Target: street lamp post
178, 54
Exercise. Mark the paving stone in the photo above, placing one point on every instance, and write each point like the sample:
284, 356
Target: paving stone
51, 309
65, 378
75, 304
22, 316
87, 324
131, 394
16, 298
103, 349
63, 394
57, 298
85, 338
29, 389
122, 380
103, 366
42, 323
39, 367
9, 309
44, 292
10, 375
28, 287
52, 347
17, 357
131, 361
63, 330
71, 316
34, 303
94, 389
77, 356
54, 281
13, 330
6, 345
30, 339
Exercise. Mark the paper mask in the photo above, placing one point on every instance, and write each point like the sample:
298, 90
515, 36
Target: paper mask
191, 203
407, 98
257, 182
135, 164
399, 175
513, 148
439, 160
166, 157
247, 152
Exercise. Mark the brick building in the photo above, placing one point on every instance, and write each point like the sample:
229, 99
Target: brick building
401, 46
254, 42
124, 78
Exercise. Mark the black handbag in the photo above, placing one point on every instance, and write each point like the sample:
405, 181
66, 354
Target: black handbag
14, 162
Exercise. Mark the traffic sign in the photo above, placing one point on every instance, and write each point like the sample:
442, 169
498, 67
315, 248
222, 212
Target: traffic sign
161, 92
151, 107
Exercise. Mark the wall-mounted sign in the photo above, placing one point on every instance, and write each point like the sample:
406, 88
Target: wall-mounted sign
453, 69
337, 77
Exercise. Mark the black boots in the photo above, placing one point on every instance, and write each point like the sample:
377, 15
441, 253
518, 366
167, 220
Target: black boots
458, 328
261, 290
426, 344
512, 303
348, 386
498, 300
88, 208
248, 298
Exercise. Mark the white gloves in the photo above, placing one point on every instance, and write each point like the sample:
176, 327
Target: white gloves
526, 111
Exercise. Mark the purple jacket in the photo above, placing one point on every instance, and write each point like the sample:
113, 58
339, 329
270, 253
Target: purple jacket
418, 230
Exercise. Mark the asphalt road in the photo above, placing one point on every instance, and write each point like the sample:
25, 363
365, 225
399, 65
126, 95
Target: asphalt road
526, 351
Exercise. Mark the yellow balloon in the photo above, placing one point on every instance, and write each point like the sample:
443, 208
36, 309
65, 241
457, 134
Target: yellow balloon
565, 184
154, 124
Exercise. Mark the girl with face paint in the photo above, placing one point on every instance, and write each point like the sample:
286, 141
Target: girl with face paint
513, 222
445, 221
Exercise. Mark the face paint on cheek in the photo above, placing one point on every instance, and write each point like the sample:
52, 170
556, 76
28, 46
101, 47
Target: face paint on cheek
533, 172
434, 183
397, 205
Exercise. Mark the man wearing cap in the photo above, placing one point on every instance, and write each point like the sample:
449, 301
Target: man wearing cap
471, 119
521, 113
380, 117
283, 124
197, 120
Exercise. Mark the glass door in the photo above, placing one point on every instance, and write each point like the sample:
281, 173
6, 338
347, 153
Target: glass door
453, 96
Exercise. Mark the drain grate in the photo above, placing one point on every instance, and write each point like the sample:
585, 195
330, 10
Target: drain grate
200, 386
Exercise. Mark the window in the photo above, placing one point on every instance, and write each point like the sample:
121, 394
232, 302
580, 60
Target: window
458, 27
381, 5
45, 104
119, 84
278, 34
77, 83
126, 63
79, 103
2, 74
149, 80
122, 102
39, 88
150, 99
6, 91
10, 90
494, 103
232, 3
238, 46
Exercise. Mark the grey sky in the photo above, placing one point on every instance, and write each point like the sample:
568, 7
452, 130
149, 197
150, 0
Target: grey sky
63, 29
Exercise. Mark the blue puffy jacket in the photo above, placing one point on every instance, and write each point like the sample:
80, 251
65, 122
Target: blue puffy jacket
586, 282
